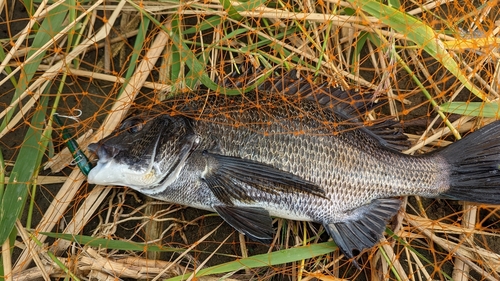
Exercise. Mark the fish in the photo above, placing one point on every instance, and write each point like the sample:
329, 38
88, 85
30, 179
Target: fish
293, 149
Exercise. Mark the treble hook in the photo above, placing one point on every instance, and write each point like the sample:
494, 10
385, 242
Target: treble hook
79, 158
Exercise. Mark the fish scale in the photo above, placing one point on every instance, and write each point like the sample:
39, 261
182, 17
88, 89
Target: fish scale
244, 142
294, 144
277, 152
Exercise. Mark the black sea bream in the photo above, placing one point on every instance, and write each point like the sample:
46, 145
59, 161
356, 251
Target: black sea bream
292, 150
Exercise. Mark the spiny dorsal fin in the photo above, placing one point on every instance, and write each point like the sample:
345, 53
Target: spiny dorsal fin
390, 134
350, 105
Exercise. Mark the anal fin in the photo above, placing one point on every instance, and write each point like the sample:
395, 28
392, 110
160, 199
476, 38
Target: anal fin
254, 222
364, 227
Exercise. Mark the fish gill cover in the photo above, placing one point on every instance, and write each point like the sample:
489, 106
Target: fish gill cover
432, 66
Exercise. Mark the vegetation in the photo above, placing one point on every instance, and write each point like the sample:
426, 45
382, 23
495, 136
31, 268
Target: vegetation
434, 64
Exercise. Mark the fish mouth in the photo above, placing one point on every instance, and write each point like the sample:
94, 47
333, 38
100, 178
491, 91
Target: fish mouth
103, 152
110, 171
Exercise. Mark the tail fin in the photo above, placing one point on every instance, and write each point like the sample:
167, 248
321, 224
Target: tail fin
475, 166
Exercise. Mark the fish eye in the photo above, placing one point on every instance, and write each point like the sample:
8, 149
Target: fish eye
133, 125
136, 128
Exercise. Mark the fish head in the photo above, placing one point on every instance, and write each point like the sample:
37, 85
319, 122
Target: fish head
144, 152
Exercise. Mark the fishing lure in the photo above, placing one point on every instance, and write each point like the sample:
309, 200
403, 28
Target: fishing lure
79, 157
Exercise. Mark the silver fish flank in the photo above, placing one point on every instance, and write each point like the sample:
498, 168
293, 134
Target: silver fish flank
293, 150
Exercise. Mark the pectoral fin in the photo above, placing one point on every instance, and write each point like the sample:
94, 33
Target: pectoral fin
254, 222
364, 227
225, 174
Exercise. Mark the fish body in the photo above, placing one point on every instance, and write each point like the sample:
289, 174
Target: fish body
290, 150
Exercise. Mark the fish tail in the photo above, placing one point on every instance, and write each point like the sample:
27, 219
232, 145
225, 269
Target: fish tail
474, 166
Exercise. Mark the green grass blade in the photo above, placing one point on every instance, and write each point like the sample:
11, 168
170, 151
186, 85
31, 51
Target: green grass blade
360, 43
23, 172
394, 3
478, 109
112, 244
55, 259
8, 70
420, 255
206, 24
378, 42
138, 46
273, 258
250, 5
421, 34
2, 180
196, 67
175, 55
231, 11
52, 24
29, 158
2, 174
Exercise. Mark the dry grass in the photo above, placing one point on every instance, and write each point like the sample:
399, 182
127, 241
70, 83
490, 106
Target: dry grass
106, 57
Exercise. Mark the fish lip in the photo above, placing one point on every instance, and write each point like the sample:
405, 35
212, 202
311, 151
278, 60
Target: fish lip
104, 153
109, 171
141, 178
92, 148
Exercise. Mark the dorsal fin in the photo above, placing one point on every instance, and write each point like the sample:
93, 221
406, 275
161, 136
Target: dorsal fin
350, 105
390, 134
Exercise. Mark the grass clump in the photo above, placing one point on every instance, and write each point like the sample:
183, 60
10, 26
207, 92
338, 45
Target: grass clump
433, 64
